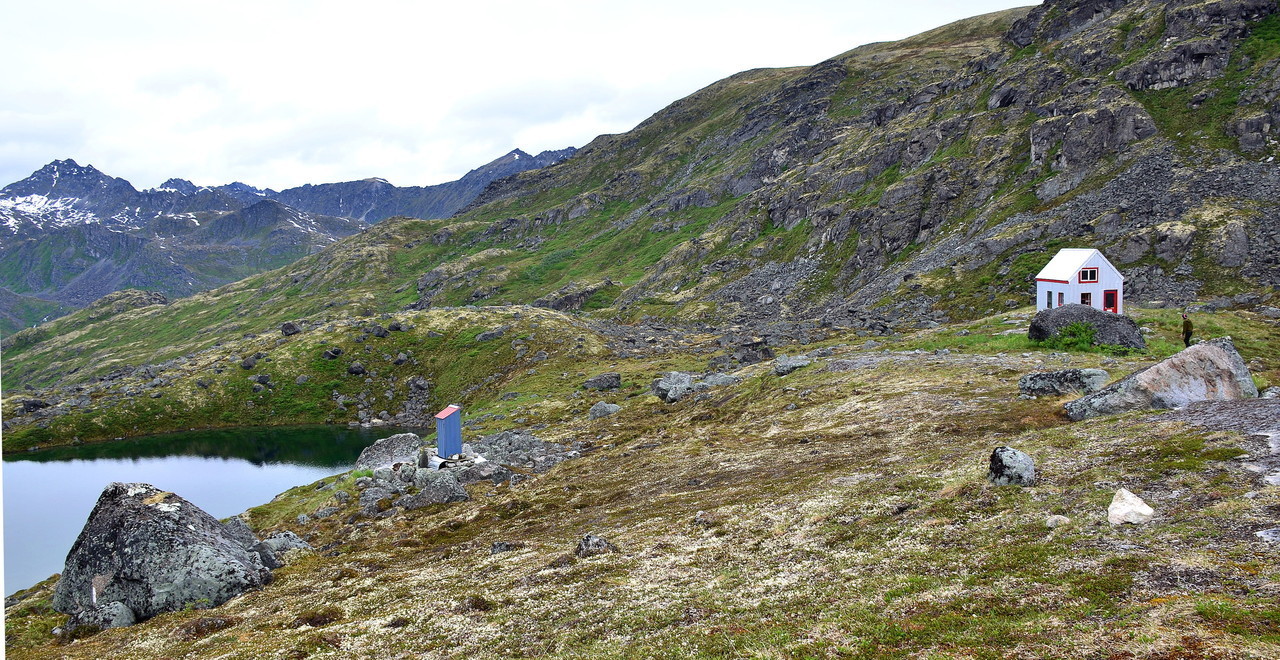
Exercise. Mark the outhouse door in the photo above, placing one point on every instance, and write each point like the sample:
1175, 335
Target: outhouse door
1109, 300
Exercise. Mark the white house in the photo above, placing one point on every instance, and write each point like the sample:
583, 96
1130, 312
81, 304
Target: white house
1082, 276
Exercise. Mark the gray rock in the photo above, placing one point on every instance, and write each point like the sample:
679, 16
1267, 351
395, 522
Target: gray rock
1056, 521
520, 449
720, 380
289, 328
1066, 381
486, 471
1109, 329
399, 448
177, 556
248, 363
672, 386
592, 545
434, 487
239, 531
375, 500
332, 353
603, 409
325, 512
752, 351
272, 548
1011, 467
789, 363
32, 405
1270, 393
113, 614
495, 333
301, 380
1207, 371
356, 369
504, 546
606, 381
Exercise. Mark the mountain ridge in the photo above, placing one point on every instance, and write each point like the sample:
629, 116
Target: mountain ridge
183, 236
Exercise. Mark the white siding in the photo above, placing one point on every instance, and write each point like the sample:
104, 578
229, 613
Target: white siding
1108, 279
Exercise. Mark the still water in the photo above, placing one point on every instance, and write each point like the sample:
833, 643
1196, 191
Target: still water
48, 494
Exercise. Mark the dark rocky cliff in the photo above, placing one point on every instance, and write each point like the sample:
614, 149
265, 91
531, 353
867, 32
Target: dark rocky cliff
931, 178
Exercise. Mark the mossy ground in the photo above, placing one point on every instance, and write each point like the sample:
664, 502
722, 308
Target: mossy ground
844, 513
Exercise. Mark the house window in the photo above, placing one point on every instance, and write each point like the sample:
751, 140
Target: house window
1061, 298
1048, 299
1086, 299
1088, 274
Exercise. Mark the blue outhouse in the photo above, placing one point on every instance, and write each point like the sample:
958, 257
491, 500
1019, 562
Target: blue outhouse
449, 431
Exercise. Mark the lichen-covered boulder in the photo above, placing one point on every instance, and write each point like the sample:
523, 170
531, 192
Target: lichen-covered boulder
1208, 371
1011, 467
399, 448
672, 386
152, 552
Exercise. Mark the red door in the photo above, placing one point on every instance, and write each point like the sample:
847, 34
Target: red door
1109, 300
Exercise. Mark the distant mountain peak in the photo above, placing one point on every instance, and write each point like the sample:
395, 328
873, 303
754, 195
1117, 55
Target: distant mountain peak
181, 186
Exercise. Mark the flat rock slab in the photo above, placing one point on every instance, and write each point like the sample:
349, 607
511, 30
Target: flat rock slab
1209, 371
153, 552
1066, 381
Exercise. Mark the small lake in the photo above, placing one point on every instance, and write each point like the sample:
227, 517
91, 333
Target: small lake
49, 494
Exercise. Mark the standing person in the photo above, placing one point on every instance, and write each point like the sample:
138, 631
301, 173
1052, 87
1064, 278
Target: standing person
1186, 331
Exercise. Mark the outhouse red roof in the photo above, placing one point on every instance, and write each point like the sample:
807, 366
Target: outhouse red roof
448, 411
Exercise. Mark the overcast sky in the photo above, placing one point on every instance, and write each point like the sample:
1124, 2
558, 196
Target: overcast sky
277, 93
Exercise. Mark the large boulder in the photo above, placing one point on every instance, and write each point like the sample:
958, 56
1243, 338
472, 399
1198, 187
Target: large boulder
399, 448
1066, 381
152, 552
1209, 371
1109, 329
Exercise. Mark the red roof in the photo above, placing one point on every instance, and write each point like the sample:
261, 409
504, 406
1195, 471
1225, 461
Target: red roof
448, 411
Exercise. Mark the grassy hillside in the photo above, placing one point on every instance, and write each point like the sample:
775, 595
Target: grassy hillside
841, 510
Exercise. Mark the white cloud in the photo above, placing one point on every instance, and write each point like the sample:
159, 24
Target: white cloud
279, 93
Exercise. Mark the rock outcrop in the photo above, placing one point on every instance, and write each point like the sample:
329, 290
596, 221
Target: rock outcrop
1066, 381
1209, 371
399, 448
145, 551
1109, 329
